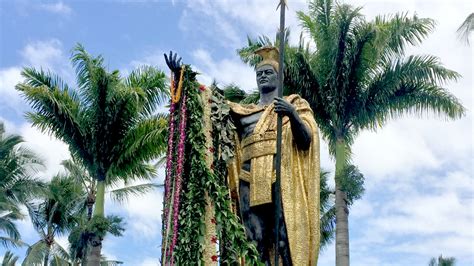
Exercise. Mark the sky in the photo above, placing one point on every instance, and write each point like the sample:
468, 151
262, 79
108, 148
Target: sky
419, 194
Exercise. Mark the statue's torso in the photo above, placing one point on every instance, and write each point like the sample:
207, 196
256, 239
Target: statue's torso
247, 124
245, 128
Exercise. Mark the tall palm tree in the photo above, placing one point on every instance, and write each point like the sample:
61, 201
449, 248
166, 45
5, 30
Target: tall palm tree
109, 121
55, 213
358, 78
18, 184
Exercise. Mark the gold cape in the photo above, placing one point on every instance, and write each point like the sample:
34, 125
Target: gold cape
299, 175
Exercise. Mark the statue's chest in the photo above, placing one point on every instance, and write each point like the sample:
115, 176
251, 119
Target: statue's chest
248, 123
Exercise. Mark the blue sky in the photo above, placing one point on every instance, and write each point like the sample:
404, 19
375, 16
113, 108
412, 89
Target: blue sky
419, 172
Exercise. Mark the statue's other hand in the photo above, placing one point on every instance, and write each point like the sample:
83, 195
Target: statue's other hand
173, 64
284, 108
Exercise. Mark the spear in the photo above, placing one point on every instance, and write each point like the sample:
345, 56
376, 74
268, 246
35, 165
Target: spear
278, 201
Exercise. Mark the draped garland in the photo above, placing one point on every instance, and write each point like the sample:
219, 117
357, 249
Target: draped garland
190, 181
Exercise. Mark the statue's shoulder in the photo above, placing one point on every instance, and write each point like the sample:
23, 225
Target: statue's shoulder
297, 101
243, 109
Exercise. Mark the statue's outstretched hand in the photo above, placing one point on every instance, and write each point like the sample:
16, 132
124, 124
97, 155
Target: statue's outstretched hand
284, 108
173, 64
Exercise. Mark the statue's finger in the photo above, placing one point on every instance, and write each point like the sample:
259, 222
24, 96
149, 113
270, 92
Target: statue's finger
174, 57
179, 62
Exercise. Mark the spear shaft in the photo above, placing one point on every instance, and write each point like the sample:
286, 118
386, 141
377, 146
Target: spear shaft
278, 200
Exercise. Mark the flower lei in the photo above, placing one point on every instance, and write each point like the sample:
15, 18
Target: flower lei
175, 191
189, 179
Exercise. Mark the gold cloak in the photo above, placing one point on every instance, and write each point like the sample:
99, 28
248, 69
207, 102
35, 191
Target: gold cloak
299, 176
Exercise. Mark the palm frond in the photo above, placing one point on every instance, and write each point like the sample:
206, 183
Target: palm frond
466, 28
8, 226
149, 86
396, 31
7, 242
85, 66
60, 254
122, 194
9, 259
35, 254
144, 142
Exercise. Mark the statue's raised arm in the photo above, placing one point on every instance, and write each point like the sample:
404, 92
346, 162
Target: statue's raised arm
174, 64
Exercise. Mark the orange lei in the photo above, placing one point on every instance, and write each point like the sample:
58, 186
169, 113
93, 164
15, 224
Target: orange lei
175, 97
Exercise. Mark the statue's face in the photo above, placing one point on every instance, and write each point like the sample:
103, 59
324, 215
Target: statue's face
267, 78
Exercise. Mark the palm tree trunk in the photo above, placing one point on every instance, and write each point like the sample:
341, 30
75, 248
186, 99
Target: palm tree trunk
342, 212
96, 241
49, 239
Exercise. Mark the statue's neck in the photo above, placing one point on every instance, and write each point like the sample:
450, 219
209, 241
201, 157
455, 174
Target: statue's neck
266, 98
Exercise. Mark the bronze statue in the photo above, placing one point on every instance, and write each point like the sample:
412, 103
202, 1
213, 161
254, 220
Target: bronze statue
252, 171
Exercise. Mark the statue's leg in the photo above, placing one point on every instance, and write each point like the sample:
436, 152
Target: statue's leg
254, 221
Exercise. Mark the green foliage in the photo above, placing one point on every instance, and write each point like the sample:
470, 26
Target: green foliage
351, 181
192, 209
466, 28
9, 259
449, 261
18, 184
327, 211
83, 233
109, 122
199, 180
233, 240
234, 94
55, 213
100, 226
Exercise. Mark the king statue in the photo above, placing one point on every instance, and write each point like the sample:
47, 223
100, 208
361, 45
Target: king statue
252, 172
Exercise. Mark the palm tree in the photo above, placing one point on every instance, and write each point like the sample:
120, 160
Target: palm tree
466, 28
358, 78
56, 213
442, 261
109, 122
18, 166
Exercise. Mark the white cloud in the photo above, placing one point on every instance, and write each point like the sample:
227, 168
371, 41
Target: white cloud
225, 71
46, 55
154, 57
50, 149
230, 21
209, 23
57, 8
148, 261
43, 54
144, 214
9, 77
